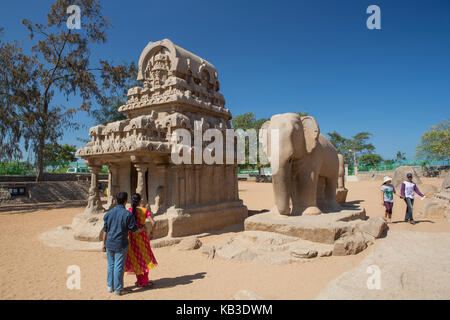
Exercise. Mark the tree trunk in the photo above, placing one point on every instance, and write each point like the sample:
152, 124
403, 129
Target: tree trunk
40, 157
41, 143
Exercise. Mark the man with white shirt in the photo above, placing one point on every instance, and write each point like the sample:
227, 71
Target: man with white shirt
407, 193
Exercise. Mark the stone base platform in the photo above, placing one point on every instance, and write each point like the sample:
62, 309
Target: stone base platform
261, 247
85, 233
270, 238
324, 228
62, 237
196, 220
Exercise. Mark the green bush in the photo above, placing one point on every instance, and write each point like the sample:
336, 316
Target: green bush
16, 168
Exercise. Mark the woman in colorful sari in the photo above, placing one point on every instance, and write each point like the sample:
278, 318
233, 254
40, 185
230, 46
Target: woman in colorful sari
140, 258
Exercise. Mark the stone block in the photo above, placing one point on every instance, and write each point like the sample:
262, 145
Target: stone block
428, 189
191, 243
88, 227
161, 229
435, 209
374, 227
304, 253
324, 228
208, 218
209, 251
350, 244
341, 195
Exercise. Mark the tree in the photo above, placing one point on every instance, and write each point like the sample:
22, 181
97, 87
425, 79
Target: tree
109, 112
248, 121
400, 156
435, 143
60, 63
18, 88
56, 152
342, 146
371, 159
352, 148
359, 143
58, 157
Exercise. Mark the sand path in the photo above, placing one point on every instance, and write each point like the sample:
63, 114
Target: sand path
31, 270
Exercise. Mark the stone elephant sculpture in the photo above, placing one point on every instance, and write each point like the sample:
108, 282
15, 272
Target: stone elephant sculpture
307, 168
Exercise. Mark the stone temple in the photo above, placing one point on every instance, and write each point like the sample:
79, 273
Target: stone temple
180, 90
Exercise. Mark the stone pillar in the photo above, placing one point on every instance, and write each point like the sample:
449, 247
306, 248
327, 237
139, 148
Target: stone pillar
198, 187
207, 184
161, 188
182, 184
94, 203
346, 170
141, 169
235, 183
229, 186
190, 185
109, 184
217, 183
174, 186
113, 185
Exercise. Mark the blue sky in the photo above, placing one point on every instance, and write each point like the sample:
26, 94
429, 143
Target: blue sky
286, 56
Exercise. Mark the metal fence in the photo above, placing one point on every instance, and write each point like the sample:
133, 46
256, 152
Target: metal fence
381, 167
395, 165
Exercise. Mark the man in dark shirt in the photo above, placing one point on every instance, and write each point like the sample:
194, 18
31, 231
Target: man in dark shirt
116, 224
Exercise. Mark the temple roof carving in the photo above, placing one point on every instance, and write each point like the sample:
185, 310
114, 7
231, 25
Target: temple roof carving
179, 88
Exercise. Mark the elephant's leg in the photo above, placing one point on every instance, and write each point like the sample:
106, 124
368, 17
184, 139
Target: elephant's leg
281, 183
297, 189
330, 194
306, 200
297, 206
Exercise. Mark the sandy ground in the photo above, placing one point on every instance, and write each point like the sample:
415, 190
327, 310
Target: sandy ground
31, 270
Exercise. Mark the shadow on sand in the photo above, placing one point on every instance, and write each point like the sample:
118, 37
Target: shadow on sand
417, 221
352, 204
164, 283
253, 212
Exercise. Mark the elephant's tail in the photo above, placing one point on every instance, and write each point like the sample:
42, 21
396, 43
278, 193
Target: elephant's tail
341, 171
341, 160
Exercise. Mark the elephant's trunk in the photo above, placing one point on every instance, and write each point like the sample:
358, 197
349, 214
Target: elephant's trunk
281, 182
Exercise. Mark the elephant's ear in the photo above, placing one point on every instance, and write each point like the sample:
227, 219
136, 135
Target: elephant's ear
312, 132
263, 138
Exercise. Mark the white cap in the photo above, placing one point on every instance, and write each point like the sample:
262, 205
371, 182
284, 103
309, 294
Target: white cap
387, 179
